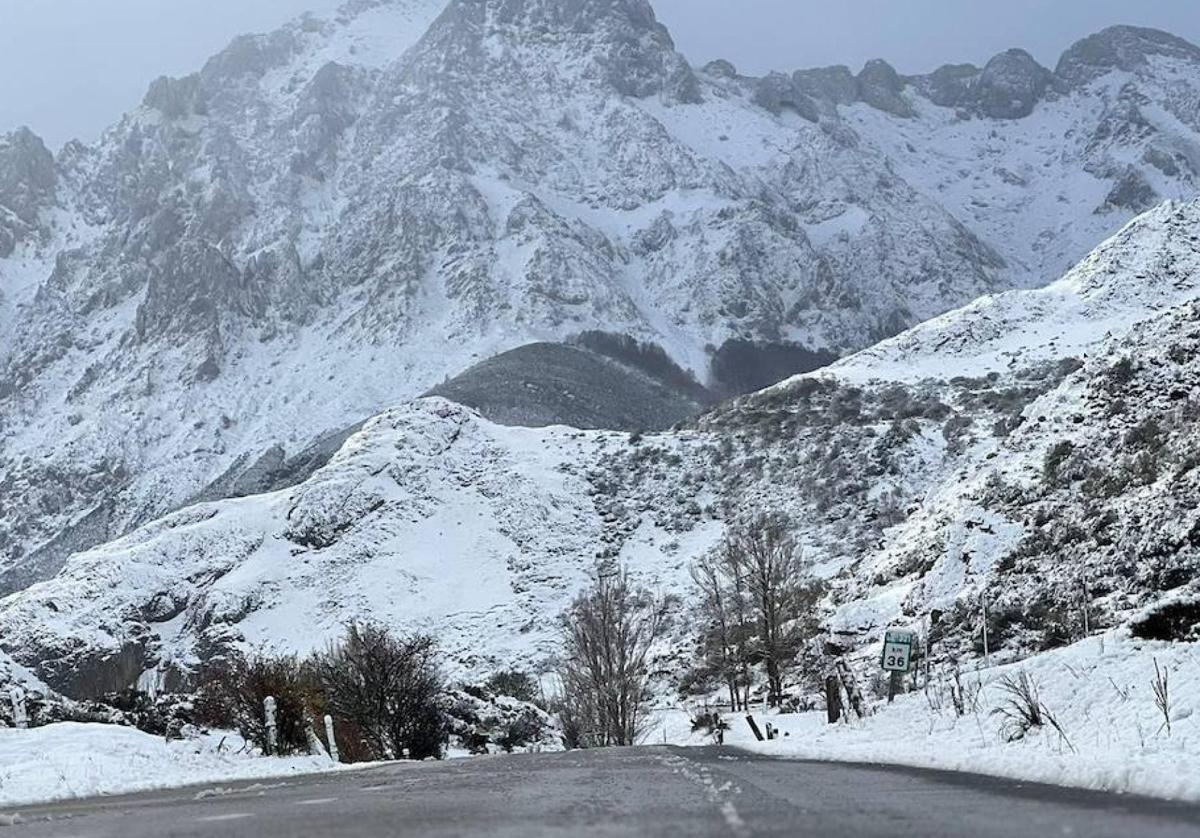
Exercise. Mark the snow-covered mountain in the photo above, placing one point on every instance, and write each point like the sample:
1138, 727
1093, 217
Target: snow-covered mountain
1000, 470
333, 218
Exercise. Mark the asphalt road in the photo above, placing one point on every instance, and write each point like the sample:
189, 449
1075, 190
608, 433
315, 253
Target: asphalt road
642, 792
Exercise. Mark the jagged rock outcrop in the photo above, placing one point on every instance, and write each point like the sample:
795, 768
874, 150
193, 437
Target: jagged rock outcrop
880, 86
28, 185
1127, 48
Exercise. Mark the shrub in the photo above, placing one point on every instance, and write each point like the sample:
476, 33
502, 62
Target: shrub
1056, 458
390, 687
232, 694
1172, 621
513, 683
1023, 710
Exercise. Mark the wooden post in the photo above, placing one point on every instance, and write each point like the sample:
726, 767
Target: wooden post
1087, 607
754, 728
833, 699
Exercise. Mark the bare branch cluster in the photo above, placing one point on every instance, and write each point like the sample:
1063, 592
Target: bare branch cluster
609, 632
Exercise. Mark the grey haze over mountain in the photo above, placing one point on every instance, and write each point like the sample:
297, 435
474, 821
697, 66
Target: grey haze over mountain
66, 67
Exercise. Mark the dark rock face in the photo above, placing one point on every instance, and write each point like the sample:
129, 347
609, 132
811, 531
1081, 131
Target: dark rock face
777, 93
1120, 48
176, 98
641, 59
831, 84
1131, 192
28, 183
1011, 85
950, 86
879, 85
721, 68
189, 292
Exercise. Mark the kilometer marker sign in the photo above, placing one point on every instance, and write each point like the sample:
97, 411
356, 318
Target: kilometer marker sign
898, 650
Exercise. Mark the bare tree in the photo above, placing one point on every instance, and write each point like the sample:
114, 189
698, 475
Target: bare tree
389, 688
608, 634
758, 603
708, 574
782, 591
725, 612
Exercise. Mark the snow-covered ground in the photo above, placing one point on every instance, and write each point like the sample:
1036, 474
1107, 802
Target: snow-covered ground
1100, 691
70, 760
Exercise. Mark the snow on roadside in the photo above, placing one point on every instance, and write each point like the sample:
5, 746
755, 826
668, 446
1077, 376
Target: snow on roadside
1100, 691
71, 760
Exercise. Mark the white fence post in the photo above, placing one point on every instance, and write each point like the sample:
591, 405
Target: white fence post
272, 730
331, 739
986, 651
20, 713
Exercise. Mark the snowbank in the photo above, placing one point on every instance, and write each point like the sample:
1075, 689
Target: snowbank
1100, 691
71, 760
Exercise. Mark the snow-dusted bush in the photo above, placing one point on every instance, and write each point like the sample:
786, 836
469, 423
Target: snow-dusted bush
390, 687
513, 683
486, 722
232, 693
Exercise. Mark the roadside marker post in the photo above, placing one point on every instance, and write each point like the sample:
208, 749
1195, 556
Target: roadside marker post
754, 728
986, 650
272, 730
333, 748
897, 657
20, 714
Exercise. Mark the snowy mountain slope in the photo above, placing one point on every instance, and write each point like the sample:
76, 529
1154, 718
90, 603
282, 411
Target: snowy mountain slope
333, 218
1149, 266
909, 494
431, 213
559, 384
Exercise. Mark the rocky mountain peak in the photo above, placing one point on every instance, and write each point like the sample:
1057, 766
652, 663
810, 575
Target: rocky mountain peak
879, 85
28, 182
1011, 84
1125, 48
633, 50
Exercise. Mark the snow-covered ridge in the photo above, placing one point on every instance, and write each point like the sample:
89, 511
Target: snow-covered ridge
1152, 265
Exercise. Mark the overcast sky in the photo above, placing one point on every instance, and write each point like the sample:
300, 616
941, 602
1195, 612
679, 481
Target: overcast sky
68, 68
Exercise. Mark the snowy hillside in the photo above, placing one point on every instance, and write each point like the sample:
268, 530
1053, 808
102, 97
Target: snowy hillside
911, 494
333, 218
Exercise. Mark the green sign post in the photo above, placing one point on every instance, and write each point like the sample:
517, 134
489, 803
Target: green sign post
898, 647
